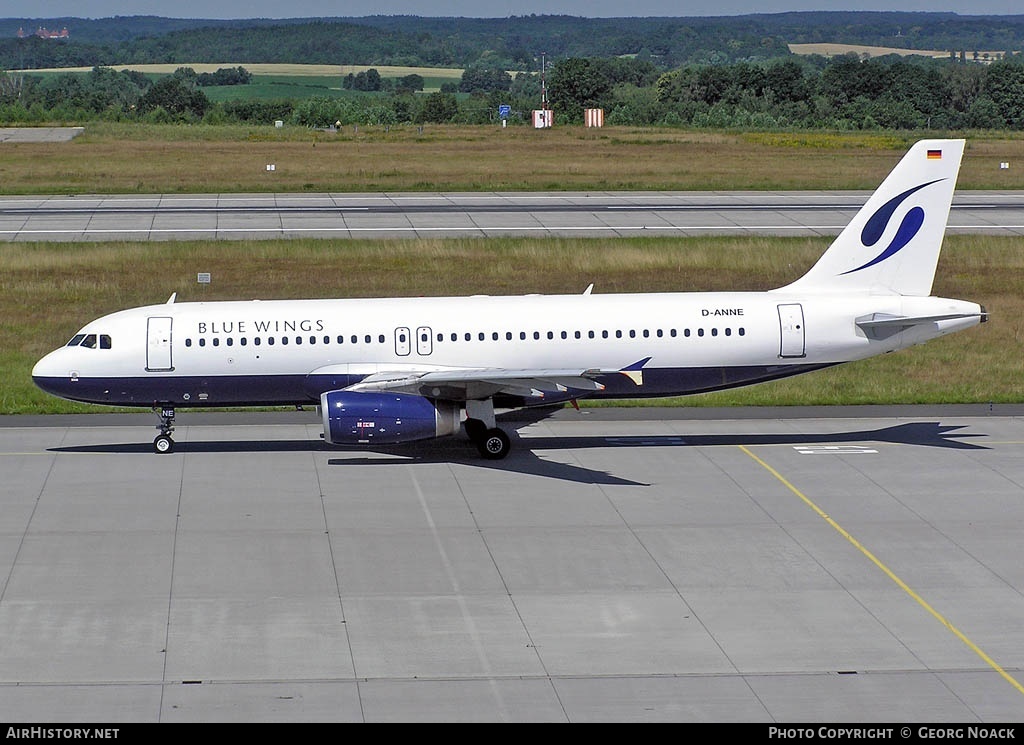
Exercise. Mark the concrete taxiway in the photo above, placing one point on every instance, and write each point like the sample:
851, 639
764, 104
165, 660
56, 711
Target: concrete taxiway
39, 134
436, 215
857, 565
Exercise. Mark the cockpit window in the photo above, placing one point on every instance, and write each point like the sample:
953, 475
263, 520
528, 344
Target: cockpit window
90, 341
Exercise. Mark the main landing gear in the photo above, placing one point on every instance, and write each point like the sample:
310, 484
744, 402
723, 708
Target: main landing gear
491, 441
163, 442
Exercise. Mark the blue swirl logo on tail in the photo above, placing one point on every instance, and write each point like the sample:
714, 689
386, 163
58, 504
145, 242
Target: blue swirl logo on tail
879, 221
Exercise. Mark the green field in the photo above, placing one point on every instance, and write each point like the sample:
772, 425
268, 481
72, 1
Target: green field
296, 87
285, 70
273, 82
274, 87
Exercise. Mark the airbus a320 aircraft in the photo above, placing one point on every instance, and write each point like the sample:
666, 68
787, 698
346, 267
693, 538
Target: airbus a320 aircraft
394, 370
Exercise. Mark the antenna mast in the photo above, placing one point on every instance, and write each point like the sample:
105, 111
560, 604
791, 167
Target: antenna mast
543, 85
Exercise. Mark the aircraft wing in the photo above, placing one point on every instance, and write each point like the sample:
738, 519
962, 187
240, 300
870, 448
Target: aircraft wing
464, 384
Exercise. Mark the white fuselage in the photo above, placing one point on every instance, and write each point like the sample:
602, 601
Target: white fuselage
290, 351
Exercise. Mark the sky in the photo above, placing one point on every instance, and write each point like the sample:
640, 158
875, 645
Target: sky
227, 9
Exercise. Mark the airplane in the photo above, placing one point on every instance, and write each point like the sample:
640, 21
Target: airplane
386, 371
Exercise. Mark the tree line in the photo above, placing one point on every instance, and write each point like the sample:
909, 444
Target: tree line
512, 43
844, 93
841, 93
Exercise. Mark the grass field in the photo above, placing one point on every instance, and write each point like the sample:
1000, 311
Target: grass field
862, 50
47, 291
134, 158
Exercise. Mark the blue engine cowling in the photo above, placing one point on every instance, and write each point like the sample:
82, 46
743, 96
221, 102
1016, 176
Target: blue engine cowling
353, 418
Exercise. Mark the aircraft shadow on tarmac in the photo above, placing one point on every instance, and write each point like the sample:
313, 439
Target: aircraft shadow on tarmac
524, 458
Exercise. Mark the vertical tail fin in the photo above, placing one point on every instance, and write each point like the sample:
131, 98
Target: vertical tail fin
892, 245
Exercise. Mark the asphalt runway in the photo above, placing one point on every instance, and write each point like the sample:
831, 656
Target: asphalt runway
434, 215
775, 566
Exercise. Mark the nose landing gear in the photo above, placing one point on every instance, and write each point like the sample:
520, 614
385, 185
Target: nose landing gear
163, 442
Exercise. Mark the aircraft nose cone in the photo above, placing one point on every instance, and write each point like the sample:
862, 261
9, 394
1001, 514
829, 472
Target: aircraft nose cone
46, 367
49, 374
39, 369
42, 369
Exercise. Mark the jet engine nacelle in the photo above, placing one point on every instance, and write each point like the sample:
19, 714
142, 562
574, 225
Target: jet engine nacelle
354, 418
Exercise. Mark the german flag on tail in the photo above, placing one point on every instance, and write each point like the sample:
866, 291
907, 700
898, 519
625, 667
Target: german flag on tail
934, 155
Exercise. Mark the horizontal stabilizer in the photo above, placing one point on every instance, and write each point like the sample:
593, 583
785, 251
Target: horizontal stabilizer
884, 325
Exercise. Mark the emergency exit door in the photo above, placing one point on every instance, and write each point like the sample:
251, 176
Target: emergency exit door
424, 344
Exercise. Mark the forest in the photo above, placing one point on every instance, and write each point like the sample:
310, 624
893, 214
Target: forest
513, 43
717, 73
